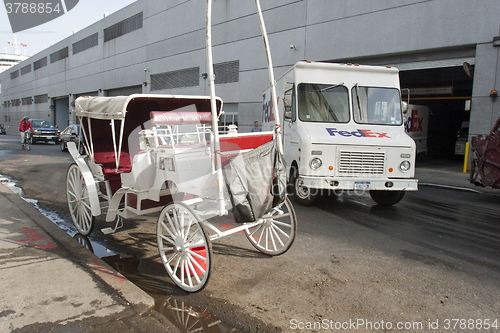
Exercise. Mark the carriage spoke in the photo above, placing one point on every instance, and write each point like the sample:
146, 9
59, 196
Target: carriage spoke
197, 255
190, 262
168, 230
171, 258
177, 265
267, 238
270, 230
188, 272
167, 239
283, 224
183, 270
172, 223
201, 269
273, 232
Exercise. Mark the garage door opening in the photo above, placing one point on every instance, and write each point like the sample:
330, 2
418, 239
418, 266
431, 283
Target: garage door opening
446, 91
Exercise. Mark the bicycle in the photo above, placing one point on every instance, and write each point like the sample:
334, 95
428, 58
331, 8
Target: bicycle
27, 141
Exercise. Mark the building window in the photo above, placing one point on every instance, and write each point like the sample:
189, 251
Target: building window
227, 72
124, 91
40, 63
8, 60
59, 55
26, 69
85, 43
39, 99
227, 119
15, 102
27, 100
14, 75
189, 77
123, 27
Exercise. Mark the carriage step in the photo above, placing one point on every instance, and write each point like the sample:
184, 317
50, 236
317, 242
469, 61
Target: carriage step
118, 225
193, 201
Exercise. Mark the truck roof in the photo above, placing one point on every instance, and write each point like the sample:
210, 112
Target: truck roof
348, 66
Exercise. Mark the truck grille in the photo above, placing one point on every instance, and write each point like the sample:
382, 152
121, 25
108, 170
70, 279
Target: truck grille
358, 162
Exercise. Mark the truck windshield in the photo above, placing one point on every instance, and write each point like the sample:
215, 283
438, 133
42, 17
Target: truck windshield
42, 123
372, 105
324, 103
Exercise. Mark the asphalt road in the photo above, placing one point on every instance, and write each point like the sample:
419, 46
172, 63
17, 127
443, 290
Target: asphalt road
431, 263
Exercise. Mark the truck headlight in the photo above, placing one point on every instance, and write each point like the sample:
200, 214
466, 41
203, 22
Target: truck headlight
315, 163
404, 166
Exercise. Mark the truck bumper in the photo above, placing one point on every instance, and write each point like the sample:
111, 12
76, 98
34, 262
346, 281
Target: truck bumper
46, 137
385, 184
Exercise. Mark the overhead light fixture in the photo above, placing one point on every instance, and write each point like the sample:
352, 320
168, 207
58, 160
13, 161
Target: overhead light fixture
496, 41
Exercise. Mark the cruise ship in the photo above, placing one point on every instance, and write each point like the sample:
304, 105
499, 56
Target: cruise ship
9, 60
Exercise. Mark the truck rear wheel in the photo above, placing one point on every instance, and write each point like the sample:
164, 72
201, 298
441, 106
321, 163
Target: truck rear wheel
304, 196
387, 198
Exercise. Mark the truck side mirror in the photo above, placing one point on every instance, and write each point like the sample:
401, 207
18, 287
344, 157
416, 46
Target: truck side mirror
404, 107
288, 103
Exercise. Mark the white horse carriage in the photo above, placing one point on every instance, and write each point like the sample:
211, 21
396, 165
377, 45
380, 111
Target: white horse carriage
149, 153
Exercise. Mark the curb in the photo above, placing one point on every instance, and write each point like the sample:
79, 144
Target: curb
94, 265
452, 187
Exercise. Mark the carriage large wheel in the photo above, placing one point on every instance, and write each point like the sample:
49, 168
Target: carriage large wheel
277, 233
79, 201
184, 247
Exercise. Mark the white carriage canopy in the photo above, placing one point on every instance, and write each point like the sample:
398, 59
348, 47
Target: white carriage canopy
111, 120
116, 107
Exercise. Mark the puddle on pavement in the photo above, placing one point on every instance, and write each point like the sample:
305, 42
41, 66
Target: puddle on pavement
11, 184
186, 317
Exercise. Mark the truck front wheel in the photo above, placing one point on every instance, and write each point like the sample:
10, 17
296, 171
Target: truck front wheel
387, 198
304, 196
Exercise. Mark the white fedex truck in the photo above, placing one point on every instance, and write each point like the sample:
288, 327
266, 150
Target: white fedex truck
343, 130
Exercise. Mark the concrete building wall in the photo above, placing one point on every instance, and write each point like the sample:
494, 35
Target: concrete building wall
173, 38
486, 78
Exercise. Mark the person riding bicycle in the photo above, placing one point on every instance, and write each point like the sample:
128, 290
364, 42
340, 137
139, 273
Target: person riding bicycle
24, 126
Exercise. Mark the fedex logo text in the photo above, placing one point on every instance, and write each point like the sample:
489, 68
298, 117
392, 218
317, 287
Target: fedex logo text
414, 124
267, 108
358, 133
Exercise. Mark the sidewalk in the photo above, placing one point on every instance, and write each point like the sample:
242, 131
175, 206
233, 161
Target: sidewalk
50, 283
448, 174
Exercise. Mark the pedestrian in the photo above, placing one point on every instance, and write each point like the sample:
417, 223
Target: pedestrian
256, 127
24, 125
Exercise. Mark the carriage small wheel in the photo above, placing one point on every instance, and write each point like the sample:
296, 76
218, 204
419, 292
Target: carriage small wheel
276, 235
79, 201
184, 247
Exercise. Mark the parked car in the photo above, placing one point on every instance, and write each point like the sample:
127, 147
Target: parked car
44, 130
3, 130
71, 134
